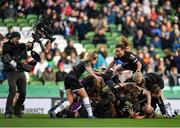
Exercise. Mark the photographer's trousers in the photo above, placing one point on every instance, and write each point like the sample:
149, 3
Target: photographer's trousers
16, 79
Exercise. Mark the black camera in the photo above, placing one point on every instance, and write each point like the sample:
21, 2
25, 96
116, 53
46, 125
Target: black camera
42, 30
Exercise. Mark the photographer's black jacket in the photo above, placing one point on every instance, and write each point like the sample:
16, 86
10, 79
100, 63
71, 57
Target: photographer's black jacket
16, 51
13, 49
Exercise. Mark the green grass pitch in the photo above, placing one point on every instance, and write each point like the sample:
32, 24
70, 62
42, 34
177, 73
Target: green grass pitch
45, 121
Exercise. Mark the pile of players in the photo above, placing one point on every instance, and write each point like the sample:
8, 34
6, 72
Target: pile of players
136, 97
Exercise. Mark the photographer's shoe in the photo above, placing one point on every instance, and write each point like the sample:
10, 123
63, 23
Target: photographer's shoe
52, 114
8, 115
91, 117
18, 112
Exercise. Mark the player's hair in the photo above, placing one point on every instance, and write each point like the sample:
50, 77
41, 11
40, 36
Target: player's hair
91, 56
124, 43
136, 76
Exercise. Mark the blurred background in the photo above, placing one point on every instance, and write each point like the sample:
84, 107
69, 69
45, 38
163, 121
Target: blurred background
151, 26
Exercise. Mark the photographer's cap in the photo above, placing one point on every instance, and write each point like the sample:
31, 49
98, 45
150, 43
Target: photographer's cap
15, 34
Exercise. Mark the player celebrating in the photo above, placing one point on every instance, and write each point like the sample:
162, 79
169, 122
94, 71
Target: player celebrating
130, 61
72, 84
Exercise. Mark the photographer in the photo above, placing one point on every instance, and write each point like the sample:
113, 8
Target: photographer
15, 73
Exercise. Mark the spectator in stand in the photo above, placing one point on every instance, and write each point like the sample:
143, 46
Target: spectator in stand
174, 77
70, 48
57, 29
50, 60
139, 40
10, 30
167, 7
154, 29
160, 67
10, 11
176, 35
92, 11
146, 60
165, 38
73, 58
48, 75
151, 66
143, 24
125, 26
60, 74
57, 56
177, 60
3, 6
67, 10
40, 66
19, 5
32, 9
154, 14
80, 30
132, 29
156, 41
48, 48
99, 37
64, 58
152, 51
56, 7
168, 60
102, 54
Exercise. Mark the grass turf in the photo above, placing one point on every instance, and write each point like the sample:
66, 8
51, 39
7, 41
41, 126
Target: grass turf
45, 121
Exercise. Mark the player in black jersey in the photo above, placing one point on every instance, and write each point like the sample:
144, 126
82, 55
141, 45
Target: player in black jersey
151, 81
72, 84
155, 84
129, 59
130, 97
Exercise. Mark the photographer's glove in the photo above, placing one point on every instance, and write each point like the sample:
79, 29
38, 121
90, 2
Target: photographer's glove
29, 46
13, 65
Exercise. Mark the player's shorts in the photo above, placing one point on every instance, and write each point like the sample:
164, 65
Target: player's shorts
72, 83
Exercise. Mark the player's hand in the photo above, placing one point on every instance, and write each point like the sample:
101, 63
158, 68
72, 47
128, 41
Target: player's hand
149, 108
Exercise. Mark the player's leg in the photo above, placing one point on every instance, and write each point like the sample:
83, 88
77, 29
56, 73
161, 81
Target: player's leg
82, 93
66, 103
70, 97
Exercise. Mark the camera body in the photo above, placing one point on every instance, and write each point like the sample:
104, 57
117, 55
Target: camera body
43, 30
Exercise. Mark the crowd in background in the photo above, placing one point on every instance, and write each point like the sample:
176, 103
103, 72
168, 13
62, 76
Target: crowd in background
138, 19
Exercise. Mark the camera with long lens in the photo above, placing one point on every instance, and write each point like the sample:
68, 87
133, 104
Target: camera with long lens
42, 30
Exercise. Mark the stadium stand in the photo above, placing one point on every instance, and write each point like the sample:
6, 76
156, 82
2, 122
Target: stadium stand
116, 18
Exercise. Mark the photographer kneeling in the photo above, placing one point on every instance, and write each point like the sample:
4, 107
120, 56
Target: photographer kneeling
15, 52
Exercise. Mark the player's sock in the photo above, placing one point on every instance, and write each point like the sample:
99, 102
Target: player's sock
62, 106
87, 106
